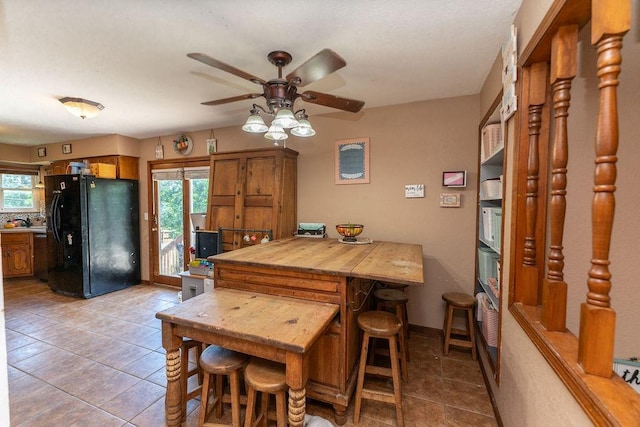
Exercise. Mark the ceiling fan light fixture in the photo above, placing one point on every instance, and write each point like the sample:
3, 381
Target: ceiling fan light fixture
276, 133
304, 129
82, 108
255, 124
285, 119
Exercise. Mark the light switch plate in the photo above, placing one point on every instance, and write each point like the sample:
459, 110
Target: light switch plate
413, 191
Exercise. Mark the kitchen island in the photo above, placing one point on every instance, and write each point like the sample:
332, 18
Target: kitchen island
324, 270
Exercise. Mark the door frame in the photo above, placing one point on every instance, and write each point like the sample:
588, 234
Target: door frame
152, 230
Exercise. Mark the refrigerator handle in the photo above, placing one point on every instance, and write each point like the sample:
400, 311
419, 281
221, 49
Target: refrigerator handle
55, 216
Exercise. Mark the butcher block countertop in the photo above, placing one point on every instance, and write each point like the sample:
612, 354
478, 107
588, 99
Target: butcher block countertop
400, 263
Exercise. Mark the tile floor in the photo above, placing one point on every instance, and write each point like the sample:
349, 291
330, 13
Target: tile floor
100, 362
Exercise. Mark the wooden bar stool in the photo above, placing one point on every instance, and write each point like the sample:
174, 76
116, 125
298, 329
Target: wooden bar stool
395, 300
381, 325
464, 302
186, 373
266, 377
219, 362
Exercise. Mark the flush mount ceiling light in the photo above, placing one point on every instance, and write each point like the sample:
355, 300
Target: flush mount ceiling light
281, 93
82, 108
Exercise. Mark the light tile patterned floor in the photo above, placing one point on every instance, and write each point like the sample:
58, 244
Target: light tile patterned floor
100, 362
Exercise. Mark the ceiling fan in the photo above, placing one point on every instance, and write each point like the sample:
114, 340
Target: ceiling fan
281, 93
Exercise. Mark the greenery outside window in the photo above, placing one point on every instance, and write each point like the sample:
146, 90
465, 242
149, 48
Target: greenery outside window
18, 192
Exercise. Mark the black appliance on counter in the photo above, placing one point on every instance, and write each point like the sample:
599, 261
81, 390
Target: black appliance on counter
206, 243
93, 234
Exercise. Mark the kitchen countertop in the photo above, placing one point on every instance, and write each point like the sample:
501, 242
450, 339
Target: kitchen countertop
37, 229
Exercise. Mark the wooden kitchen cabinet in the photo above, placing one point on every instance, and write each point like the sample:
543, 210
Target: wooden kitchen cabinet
126, 166
17, 254
252, 190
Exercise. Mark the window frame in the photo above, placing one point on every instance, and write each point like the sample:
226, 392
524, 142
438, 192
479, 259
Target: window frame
35, 192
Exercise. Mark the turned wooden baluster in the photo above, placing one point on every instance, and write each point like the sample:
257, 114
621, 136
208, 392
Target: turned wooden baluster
537, 94
610, 20
564, 48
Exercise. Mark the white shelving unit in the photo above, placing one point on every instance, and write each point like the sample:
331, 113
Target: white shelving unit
489, 238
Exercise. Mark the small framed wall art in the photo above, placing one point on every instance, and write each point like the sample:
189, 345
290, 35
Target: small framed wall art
212, 145
352, 161
454, 179
42, 152
449, 200
66, 148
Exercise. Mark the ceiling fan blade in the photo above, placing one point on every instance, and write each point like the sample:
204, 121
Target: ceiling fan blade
206, 59
322, 64
233, 99
333, 101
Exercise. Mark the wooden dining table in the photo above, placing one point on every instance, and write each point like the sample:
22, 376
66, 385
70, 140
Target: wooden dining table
272, 327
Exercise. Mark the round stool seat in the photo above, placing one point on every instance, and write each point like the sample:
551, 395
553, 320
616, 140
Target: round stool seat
459, 299
265, 375
217, 363
268, 378
379, 323
221, 361
391, 295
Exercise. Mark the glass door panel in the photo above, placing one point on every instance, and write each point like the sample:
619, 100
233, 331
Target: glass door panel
170, 227
179, 189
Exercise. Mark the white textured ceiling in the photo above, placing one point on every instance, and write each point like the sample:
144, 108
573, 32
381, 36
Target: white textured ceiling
130, 55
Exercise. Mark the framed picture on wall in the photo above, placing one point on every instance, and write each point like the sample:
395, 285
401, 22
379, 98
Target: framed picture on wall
449, 200
212, 146
42, 152
66, 148
454, 179
352, 161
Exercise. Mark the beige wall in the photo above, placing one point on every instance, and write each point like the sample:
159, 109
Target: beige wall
15, 153
410, 144
86, 147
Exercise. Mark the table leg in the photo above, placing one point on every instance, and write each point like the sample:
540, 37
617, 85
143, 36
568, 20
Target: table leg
297, 407
297, 374
173, 399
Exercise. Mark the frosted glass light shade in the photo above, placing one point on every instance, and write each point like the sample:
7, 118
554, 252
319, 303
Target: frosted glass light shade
276, 133
82, 108
303, 129
285, 119
255, 124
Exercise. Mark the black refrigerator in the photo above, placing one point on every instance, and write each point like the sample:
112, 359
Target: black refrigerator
93, 234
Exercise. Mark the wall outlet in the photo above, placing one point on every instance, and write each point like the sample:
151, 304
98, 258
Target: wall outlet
413, 191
